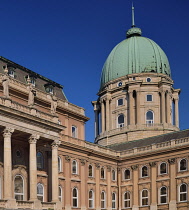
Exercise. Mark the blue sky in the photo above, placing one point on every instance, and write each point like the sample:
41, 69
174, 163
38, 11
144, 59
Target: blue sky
68, 41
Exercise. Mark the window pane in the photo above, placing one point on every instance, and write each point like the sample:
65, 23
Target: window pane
18, 184
127, 204
39, 160
90, 194
145, 201
120, 102
163, 199
149, 97
113, 175
90, 204
127, 174
144, 171
144, 193
102, 173
127, 195
121, 119
74, 193
183, 197
74, 167
149, 115
74, 202
163, 168
183, 164
183, 188
102, 195
90, 170
163, 191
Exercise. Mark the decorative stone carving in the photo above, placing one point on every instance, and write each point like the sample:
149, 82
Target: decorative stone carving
97, 165
54, 103
152, 164
82, 162
134, 167
8, 132
33, 139
5, 83
67, 158
171, 160
55, 144
32, 94
108, 168
118, 169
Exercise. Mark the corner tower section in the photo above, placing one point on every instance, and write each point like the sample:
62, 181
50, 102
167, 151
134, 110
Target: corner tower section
136, 97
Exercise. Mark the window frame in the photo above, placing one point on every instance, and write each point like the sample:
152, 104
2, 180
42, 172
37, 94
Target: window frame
180, 165
76, 167
142, 171
113, 175
126, 200
104, 177
164, 195
19, 194
59, 164
118, 102
160, 168
103, 200
120, 125
129, 174
89, 170
74, 133
42, 161
91, 199
147, 97
114, 201
148, 78
142, 198
39, 195
60, 195
186, 192
76, 198
151, 121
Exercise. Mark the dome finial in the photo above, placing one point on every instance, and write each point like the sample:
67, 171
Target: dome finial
133, 16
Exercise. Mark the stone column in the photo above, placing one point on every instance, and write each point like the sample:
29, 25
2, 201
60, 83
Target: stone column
33, 167
138, 107
107, 113
102, 116
153, 176
55, 183
8, 191
163, 106
168, 108
135, 187
176, 112
96, 122
131, 108
172, 189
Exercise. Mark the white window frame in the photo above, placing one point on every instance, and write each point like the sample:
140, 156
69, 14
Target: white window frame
113, 170
88, 170
147, 171
144, 198
74, 134
91, 199
103, 200
118, 102
165, 195
75, 167
41, 195
147, 97
120, 125
75, 198
114, 201
149, 122
59, 164
128, 199
160, 168
186, 192
22, 194
180, 165
124, 174
60, 195
101, 174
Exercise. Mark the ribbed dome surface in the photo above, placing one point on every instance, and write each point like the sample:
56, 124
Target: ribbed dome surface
134, 55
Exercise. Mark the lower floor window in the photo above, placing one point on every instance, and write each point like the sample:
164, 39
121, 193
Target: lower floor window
144, 197
40, 192
19, 188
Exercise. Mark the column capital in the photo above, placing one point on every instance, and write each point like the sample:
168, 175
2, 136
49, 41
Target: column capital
172, 160
108, 168
134, 167
152, 164
7, 132
55, 144
33, 139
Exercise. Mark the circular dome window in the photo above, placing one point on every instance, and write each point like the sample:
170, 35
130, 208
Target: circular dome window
148, 79
119, 84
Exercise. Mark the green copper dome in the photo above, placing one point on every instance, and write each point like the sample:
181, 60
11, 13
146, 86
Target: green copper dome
136, 54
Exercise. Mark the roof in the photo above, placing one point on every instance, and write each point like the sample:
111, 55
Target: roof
21, 74
149, 141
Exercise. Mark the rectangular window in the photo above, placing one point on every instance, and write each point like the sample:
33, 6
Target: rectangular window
149, 97
120, 102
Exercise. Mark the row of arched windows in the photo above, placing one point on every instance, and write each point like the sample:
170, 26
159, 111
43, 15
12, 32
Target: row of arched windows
163, 169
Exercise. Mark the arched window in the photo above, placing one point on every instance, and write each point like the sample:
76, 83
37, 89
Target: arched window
127, 174
103, 200
40, 192
149, 118
60, 193
74, 167
127, 200
144, 171
74, 131
183, 165
163, 168
163, 195
90, 171
18, 188
113, 200
144, 197
40, 162
59, 164
102, 173
120, 121
183, 192
91, 199
113, 175
75, 197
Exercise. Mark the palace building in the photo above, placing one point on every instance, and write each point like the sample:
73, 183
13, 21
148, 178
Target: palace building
139, 159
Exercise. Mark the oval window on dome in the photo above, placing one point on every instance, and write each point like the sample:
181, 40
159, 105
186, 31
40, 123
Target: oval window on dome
119, 84
148, 79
